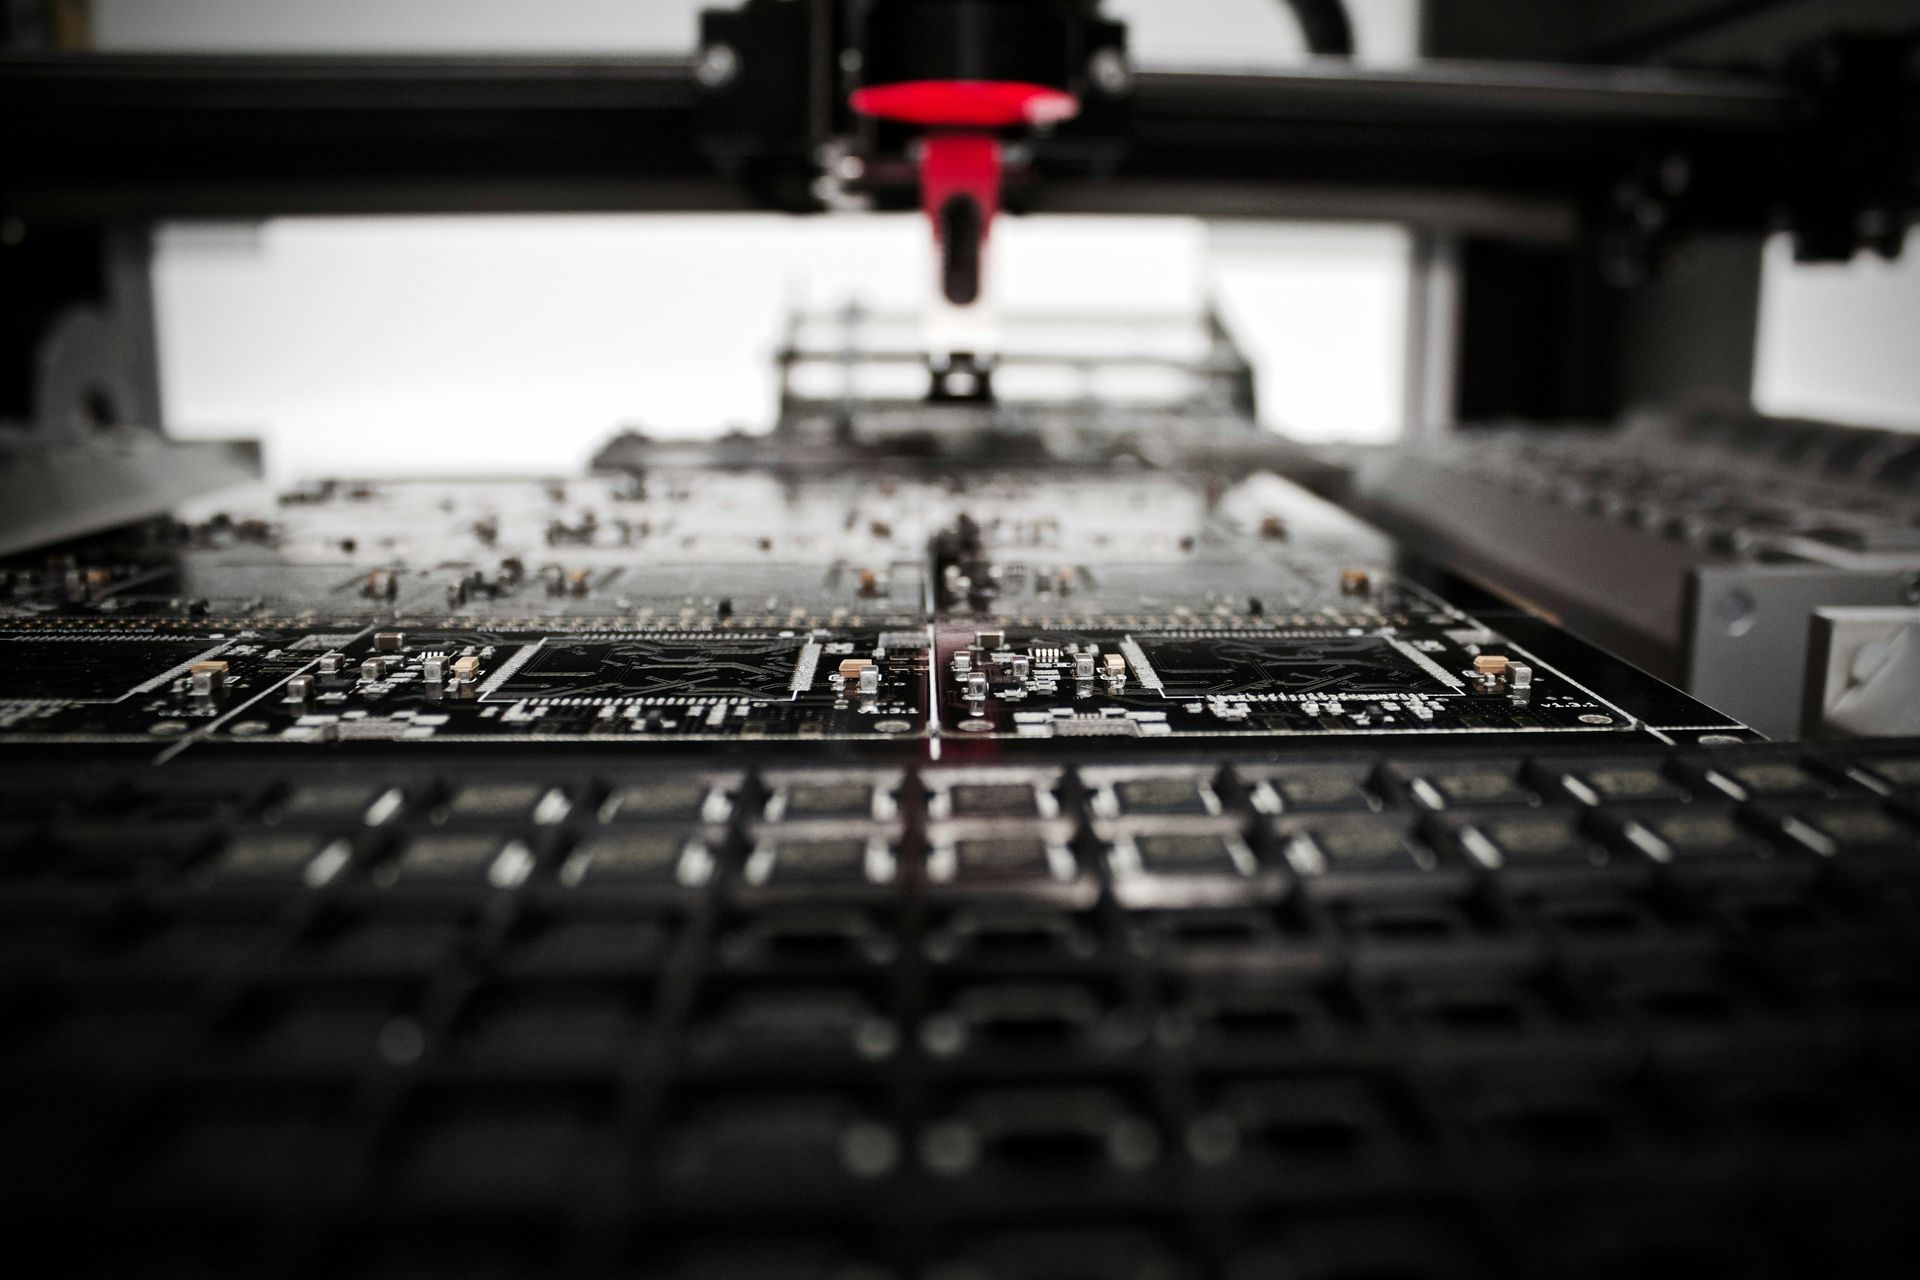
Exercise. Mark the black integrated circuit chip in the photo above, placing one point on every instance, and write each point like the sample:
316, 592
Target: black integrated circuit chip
706, 667
1266, 665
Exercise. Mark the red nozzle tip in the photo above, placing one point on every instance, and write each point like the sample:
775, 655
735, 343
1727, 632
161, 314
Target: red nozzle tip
973, 104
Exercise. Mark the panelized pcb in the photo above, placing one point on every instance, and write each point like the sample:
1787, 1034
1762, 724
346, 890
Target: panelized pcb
717, 604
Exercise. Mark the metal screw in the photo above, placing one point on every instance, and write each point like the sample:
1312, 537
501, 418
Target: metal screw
718, 65
1109, 72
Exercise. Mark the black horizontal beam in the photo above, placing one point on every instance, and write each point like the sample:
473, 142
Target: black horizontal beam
158, 136
1458, 134
142, 136
1475, 93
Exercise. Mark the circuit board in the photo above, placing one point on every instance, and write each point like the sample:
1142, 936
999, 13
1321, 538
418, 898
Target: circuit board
393, 685
710, 605
1426, 677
